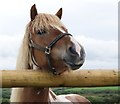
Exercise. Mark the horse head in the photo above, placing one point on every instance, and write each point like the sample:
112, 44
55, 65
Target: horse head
52, 46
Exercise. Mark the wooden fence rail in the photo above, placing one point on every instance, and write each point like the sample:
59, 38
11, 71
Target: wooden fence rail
79, 78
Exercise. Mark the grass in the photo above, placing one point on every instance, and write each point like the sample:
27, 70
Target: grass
97, 95
95, 90
5, 95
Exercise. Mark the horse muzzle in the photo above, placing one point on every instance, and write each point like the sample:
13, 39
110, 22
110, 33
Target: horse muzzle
74, 59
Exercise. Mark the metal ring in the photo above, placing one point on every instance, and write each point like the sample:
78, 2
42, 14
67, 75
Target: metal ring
47, 50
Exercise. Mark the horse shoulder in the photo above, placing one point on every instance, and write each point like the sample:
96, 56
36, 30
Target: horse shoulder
57, 98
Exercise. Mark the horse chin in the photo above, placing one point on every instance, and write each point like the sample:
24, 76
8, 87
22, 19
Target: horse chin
73, 66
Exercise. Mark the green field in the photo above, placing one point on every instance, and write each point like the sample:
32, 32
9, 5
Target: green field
97, 95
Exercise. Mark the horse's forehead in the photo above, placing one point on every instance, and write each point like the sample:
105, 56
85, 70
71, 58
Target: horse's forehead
47, 19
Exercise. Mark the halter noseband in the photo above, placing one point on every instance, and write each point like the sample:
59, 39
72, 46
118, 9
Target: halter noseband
46, 50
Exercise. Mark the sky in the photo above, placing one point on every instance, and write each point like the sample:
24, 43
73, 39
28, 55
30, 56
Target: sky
93, 23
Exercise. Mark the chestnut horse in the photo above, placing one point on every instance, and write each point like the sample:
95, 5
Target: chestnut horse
47, 46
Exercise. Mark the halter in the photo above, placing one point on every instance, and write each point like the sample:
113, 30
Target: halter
46, 50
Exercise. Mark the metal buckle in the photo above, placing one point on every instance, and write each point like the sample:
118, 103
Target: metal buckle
47, 50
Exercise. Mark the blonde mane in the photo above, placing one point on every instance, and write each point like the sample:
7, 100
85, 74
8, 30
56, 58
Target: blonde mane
42, 21
23, 55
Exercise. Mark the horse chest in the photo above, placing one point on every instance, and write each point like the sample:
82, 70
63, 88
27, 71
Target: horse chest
35, 95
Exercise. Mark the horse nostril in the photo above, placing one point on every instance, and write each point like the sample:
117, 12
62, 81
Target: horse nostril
72, 50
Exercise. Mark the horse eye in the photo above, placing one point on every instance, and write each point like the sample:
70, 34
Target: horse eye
41, 32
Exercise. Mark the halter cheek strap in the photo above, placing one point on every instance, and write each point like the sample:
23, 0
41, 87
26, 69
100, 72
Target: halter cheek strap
46, 50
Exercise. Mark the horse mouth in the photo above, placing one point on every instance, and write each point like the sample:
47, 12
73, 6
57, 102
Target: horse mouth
74, 66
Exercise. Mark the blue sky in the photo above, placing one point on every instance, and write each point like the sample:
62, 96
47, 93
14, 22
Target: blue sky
94, 23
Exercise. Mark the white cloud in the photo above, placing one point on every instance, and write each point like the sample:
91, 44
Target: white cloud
9, 47
99, 53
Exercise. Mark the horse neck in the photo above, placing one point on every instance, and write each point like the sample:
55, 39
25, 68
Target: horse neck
23, 62
36, 95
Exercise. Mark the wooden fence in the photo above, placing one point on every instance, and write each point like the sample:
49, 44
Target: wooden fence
79, 78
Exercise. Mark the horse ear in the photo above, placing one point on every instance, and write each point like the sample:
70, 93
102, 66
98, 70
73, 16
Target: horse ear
33, 12
59, 13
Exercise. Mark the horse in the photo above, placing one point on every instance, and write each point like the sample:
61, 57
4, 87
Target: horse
48, 46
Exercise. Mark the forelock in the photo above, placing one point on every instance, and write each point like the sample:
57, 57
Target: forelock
46, 21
